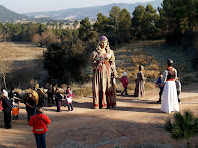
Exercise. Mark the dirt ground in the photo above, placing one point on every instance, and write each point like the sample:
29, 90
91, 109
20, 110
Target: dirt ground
135, 122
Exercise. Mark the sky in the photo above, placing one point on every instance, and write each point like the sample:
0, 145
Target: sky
24, 6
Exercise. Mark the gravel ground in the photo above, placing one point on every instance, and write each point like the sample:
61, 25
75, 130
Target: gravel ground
135, 122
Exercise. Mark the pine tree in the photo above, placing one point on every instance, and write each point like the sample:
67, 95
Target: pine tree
184, 126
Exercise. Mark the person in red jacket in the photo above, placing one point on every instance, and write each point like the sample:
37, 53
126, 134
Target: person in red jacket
124, 81
39, 123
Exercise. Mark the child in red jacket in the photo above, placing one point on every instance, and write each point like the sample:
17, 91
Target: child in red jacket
124, 81
39, 123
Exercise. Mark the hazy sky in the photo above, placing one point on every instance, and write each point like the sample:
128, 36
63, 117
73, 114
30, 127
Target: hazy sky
22, 6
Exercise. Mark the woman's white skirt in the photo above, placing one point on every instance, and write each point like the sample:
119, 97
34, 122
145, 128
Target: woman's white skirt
169, 99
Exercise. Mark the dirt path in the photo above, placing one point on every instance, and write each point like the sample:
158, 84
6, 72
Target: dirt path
135, 122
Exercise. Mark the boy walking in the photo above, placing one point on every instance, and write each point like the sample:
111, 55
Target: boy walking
158, 84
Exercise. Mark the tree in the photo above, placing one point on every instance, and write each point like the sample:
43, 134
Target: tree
151, 22
48, 38
85, 29
144, 22
125, 25
138, 20
75, 24
5, 63
61, 25
65, 62
114, 16
42, 28
184, 126
178, 17
36, 38
102, 25
55, 24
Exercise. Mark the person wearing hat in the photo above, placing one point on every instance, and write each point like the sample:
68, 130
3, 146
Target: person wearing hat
6, 104
104, 71
139, 89
39, 123
124, 81
169, 98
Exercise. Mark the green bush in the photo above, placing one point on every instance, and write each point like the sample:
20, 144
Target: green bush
184, 126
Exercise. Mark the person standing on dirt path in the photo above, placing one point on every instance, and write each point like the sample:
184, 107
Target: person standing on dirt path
169, 98
41, 101
30, 106
6, 104
158, 84
58, 99
139, 89
39, 123
104, 70
124, 81
50, 90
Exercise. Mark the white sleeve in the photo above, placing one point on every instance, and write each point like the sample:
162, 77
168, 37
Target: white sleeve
164, 77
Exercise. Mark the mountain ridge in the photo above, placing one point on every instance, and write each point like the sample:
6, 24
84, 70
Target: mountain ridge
91, 12
10, 16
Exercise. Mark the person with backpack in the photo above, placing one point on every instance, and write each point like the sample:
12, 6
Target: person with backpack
39, 123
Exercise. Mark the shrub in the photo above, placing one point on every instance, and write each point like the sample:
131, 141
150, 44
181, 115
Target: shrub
184, 126
66, 62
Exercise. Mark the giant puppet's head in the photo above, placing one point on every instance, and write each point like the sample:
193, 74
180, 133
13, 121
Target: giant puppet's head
103, 44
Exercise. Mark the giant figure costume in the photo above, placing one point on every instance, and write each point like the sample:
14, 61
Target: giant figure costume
104, 72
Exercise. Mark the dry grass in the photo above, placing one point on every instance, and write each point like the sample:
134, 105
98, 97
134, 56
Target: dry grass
20, 51
26, 62
129, 57
152, 55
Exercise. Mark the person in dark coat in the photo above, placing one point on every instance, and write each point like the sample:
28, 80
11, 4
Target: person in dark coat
41, 101
30, 106
58, 98
11, 93
50, 92
7, 107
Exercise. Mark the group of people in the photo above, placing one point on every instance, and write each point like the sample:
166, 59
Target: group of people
104, 84
68, 95
35, 102
104, 92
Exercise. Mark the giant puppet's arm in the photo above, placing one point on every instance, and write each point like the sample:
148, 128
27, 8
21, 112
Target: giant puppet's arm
113, 67
92, 59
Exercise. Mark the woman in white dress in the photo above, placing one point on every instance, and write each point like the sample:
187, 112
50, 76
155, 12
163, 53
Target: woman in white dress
169, 99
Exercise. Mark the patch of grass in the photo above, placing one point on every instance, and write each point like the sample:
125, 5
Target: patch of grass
83, 92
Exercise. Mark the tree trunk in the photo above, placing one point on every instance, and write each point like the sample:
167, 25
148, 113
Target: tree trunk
188, 144
4, 81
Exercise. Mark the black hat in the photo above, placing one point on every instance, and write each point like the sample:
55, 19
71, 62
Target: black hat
169, 62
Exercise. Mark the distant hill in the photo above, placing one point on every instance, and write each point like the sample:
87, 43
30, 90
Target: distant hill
7, 15
91, 12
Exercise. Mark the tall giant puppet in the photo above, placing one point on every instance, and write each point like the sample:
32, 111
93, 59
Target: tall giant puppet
104, 73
